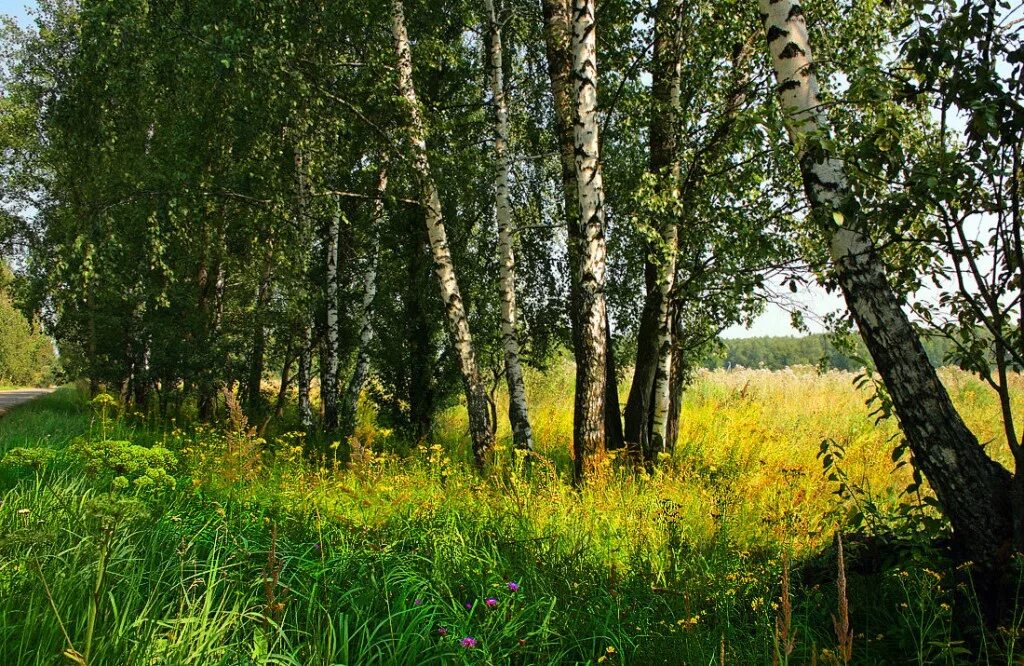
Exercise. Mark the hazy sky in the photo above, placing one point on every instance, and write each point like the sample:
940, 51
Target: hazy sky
775, 321
15, 8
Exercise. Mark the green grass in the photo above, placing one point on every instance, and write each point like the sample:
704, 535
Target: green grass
254, 557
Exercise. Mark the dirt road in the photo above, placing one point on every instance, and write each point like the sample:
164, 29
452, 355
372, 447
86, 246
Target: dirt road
9, 399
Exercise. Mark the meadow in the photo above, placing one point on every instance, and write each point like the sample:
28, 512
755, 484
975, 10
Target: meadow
125, 539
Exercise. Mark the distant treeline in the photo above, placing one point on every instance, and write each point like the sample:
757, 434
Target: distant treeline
26, 356
776, 353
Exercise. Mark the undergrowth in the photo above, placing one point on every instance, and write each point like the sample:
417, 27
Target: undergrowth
129, 540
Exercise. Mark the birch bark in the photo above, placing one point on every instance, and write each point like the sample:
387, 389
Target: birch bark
329, 374
589, 412
455, 311
972, 488
647, 409
518, 414
303, 374
558, 46
302, 378
254, 383
355, 384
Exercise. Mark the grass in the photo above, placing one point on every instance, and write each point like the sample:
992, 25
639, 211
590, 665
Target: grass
216, 546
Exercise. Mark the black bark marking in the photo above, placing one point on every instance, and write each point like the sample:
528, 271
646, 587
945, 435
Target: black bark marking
791, 50
789, 84
794, 11
775, 32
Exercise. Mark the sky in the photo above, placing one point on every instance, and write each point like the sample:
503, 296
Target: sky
775, 321
16, 8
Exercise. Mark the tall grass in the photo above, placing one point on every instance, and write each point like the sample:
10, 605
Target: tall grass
256, 557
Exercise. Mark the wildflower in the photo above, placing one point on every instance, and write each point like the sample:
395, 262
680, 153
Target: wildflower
317, 547
512, 586
417, 602
469, 605
491, 602
468, 642
442, 632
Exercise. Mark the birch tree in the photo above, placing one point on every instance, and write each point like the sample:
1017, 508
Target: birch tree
589, 408
974, 490
558, 44
647, 408
303, 361
329, 373
362, 365
518, 414
455, 311
302, 377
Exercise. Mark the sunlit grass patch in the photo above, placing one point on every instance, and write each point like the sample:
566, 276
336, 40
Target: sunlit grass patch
255, 556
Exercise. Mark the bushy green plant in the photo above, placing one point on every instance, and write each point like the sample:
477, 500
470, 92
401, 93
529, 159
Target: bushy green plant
122, 463
33, 458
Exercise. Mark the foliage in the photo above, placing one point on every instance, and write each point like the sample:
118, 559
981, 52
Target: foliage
26, 356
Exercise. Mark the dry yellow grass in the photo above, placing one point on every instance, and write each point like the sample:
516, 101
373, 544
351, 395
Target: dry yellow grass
748, 448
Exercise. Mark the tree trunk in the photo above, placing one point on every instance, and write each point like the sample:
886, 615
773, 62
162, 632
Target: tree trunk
420, 394
329, 373
647, 410
591, 369
213, 309
613, 438
302, 379
286, 378
522, 434
90, 304
303, 370
677, 384
972, 488
254, 382
641, 390
355, 384
558, 46
458, 323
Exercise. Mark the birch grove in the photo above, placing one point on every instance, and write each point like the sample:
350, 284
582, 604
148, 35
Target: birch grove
191, 211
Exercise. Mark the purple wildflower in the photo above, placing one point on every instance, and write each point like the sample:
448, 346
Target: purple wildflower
418, 602
469, 605
491, 602
442, 632
512, 586
468, 642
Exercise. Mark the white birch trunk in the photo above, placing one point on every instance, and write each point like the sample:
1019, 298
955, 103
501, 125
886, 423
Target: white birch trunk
522, 434
971, 487
303, 379
303, 374
669, 17
355, 385
662, 376
329, 380
589, 412
455, 311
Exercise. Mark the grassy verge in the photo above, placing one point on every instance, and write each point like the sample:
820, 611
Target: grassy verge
123, 542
